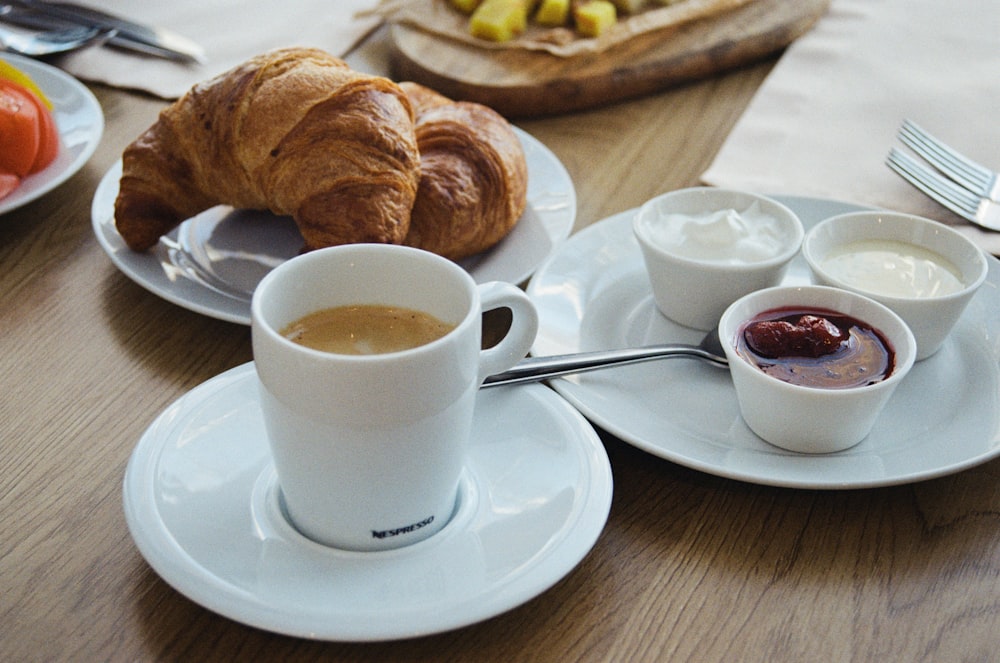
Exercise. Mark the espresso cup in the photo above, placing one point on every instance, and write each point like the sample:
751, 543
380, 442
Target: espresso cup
369, 448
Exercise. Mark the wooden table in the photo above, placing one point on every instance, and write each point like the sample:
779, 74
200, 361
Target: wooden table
689, 567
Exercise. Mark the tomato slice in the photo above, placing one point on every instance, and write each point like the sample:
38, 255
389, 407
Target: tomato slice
29, 138
8, 182
48, 139
15, 75
20, 134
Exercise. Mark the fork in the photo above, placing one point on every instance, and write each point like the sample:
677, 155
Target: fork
973, 176
978, 209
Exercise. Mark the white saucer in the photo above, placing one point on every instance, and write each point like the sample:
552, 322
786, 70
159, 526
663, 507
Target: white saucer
594, 294
78, 117
212, 262
201, 502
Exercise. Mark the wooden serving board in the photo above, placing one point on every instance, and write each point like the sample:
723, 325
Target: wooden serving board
522, 83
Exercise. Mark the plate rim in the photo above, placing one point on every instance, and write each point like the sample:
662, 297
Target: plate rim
155, 541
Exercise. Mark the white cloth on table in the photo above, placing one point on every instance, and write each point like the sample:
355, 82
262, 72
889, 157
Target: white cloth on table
823, 121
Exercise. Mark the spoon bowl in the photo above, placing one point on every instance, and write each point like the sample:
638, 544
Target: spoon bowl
35, 44
534, 369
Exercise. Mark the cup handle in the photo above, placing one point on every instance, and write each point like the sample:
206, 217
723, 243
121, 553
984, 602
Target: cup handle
518, 340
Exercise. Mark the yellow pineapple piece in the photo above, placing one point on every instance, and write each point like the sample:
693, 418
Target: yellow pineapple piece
499, 20
552, 13
594, 17
465, 6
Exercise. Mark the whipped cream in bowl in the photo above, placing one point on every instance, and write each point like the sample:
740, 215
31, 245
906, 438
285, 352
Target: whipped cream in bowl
727, 236
705, 247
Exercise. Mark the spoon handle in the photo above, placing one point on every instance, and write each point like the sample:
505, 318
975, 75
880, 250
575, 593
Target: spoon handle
534, 369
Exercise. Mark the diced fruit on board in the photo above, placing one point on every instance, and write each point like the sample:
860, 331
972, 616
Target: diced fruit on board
504, 20
499, 20
465, 6
594, 17
552, 13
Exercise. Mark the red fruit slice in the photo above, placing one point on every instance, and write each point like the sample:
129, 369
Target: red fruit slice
20, 132
48, 138
8, 182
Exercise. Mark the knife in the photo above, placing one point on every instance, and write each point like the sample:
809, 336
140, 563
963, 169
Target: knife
129, 34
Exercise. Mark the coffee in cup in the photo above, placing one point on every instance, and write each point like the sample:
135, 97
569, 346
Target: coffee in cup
366, 329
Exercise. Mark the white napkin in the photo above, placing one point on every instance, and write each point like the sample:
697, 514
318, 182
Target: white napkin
230, 31
823, 122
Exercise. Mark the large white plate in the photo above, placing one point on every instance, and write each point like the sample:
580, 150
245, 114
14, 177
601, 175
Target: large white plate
213, 262
593, 294
78, 116
201, 502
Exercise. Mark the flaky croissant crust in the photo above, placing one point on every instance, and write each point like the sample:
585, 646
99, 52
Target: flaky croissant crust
294, 131
473, 186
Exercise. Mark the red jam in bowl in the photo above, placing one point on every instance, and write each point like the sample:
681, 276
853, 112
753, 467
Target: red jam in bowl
816, 348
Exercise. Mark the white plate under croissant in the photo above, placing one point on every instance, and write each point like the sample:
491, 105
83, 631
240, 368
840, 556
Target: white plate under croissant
334, 156
212, 262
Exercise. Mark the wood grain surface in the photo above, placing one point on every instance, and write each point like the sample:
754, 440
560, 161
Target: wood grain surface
521, 83
690, 567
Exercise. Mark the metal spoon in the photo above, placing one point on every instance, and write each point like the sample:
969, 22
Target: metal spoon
534, 369
50, 42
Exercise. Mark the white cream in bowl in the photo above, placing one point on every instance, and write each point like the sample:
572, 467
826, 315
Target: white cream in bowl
733, 236
923, 270
893, 268
706, 247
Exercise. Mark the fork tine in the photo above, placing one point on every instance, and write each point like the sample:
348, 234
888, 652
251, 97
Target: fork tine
958, 200
955, 165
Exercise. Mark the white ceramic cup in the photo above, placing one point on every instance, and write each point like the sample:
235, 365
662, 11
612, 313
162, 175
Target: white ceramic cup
369, 448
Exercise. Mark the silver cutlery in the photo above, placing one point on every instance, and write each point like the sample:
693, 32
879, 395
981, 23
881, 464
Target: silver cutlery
535, 369
50, 42
973, 207
952, 163
128, 34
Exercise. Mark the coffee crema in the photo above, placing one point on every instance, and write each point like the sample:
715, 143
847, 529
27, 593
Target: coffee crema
366, 329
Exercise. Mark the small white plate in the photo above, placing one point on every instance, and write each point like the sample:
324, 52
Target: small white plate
594, 294
78, 116
201, 502
213, 262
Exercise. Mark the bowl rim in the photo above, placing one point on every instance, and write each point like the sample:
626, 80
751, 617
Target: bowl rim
729, 325
789, 219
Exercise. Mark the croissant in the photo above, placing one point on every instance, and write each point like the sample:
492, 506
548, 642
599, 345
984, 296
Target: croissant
294, 131
474, 177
